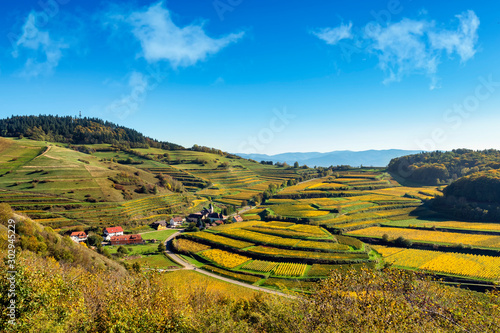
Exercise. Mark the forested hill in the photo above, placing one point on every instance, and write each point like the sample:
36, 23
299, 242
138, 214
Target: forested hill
443, 167
480, 187
77, 131
475, 197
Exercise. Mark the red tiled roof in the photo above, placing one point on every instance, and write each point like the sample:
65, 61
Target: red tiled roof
219, 222
125, 237
113, 230
238, 218
177, 219
80, 234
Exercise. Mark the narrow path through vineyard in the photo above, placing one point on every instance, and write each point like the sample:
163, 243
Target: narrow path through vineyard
186, 265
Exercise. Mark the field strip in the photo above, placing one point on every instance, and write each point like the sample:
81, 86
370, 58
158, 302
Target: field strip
189, 266
69, 166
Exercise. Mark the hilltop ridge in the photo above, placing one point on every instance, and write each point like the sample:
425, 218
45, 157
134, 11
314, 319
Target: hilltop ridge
377, 158
77, 131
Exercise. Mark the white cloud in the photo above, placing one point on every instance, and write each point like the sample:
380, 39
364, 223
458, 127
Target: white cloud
161, 39
462, 41
44, 53
128, 104
218, 81
402, 49
333, 35
413, 47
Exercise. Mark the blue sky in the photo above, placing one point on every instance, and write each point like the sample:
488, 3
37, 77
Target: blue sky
262, 76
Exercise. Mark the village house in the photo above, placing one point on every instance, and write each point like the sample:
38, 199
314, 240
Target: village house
218, 222
215, 216
203, 215
177, 221
78, 236
126, 240
159, 225
195, 217
237, 218
110, 232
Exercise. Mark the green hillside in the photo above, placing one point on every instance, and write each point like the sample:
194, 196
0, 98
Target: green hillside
63, 186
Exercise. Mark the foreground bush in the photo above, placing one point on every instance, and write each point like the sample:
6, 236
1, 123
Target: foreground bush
60, 298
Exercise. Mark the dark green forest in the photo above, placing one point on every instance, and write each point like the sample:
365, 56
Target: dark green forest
481, 187
77, 131
475, 197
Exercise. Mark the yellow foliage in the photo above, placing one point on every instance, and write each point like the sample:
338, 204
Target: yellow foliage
224, 258
431, 236
290, 269
470, 265
190, 246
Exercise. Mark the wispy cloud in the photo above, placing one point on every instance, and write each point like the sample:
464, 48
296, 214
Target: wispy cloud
413, 47
42, 52
162, 39
402, 49
462, 41
129, 103
333, 35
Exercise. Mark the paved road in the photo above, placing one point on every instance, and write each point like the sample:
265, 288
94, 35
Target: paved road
186, 265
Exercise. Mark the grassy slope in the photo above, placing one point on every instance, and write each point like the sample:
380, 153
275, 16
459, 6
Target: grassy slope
62, 169
41, 179
57, 176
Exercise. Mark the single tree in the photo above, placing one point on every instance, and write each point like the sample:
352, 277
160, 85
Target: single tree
122, 249
161, 247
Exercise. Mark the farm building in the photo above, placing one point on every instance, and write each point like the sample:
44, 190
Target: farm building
195, 217
159, 225
126, 240
215, 216
237, 218
78, 236
177, 221
202, 215
110, 232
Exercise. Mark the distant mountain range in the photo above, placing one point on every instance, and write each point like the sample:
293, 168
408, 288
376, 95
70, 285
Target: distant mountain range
376, 158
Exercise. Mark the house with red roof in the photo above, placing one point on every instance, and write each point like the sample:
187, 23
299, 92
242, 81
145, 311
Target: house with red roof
78, 236
177, 221
237, 218
113, 231
126, 240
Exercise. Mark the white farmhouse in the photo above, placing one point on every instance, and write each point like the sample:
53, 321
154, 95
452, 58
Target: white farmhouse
110, 232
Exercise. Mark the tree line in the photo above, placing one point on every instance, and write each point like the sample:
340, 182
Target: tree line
440, 167
77, 131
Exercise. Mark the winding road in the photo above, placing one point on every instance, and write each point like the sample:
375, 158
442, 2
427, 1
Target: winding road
189, 266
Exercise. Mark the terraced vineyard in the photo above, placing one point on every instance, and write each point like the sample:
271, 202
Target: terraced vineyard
190, 182
373, 206
296, 234
468, 265
62, 213
427, 236
272, 249
64, 188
